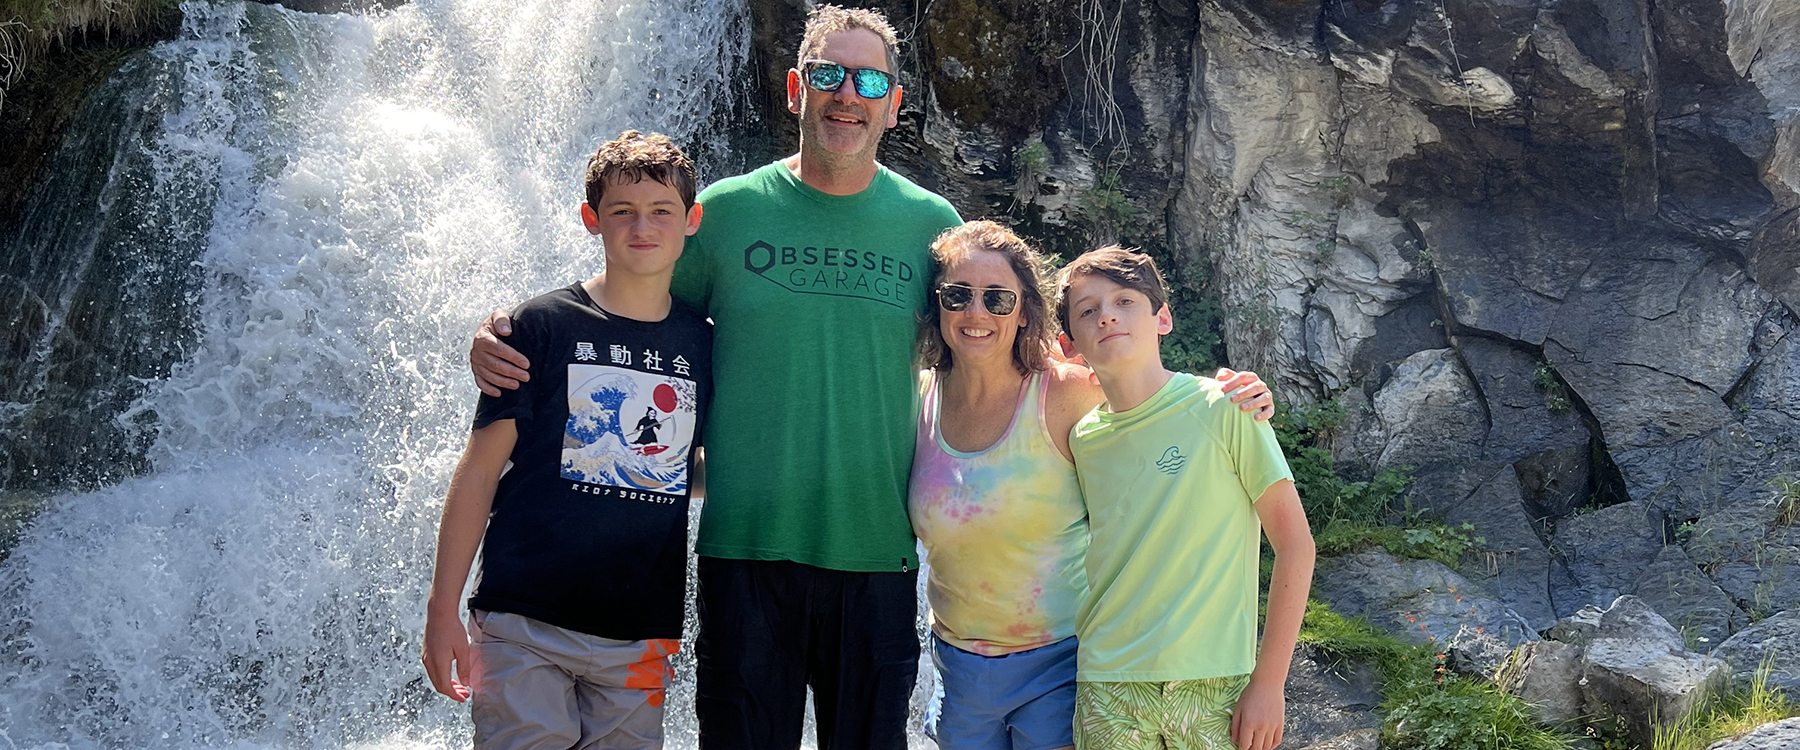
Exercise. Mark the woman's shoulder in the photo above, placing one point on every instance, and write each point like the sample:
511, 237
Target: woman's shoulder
1073, 385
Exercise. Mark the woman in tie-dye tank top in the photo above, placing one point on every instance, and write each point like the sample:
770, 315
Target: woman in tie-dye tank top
993, 495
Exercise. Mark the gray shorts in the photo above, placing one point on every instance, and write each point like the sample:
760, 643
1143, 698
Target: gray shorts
540, 686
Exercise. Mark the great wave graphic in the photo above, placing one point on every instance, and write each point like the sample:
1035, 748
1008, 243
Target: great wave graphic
601, 448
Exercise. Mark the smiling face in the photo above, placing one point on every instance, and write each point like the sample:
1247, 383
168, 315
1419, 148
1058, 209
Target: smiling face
1112, 325
644, 225
974, 334
841, 126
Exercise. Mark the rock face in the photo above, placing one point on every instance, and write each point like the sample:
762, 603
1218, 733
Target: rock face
1595, 207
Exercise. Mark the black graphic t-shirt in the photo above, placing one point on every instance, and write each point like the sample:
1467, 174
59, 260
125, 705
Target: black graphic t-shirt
589, 526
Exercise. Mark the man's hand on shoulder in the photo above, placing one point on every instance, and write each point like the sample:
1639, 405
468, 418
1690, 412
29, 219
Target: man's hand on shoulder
496, 366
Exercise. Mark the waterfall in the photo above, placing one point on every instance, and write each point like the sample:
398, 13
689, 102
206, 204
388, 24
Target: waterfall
340, 198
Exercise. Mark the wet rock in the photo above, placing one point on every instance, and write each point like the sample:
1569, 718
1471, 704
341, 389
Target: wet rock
1774, 642
1780, 735
1328, 698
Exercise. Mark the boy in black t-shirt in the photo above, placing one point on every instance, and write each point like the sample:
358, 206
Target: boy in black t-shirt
579, 599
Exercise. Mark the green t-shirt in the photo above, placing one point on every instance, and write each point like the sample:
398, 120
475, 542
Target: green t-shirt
815, 301
1171, 487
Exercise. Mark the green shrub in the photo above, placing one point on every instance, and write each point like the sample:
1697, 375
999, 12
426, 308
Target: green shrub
1329, 498
1420, 539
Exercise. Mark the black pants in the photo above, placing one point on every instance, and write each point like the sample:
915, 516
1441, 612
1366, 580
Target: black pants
770, 629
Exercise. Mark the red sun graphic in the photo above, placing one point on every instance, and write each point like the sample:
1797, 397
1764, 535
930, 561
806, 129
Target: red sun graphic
664, 396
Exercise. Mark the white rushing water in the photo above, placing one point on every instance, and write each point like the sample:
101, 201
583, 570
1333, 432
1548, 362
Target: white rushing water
379, 182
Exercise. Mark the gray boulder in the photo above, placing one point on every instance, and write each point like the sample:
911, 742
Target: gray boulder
1547, 675
1751, 554
1427, 408
1780, 735
1776, 640
1637, 668
1512, 561
1422, 601
1578, 628
1625, 661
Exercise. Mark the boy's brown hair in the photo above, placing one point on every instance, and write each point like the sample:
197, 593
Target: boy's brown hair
830, 19
954, 246
1127, 268
634, 156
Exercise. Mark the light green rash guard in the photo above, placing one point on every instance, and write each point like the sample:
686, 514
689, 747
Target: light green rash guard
1171, 487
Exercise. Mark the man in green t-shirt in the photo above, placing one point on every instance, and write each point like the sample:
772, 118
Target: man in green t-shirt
1179, 483
814, 270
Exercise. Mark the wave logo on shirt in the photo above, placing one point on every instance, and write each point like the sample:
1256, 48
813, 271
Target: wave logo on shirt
834, 271
628, 429
1172, 462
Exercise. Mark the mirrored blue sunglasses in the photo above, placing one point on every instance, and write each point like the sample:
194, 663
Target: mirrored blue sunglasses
825, 75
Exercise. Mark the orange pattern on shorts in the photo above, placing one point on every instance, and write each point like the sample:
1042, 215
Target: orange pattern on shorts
651, 672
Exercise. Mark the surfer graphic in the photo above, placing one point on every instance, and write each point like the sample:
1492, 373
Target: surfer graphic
647, 427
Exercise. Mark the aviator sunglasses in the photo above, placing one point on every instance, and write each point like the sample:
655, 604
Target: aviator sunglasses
957, 297
825, 75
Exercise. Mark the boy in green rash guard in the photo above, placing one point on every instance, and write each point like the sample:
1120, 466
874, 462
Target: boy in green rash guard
1178, 484
814, 270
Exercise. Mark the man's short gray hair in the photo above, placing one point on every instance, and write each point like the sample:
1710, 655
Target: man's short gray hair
830, 19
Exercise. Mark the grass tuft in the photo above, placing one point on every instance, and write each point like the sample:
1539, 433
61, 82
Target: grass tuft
1786, 499
1728, 714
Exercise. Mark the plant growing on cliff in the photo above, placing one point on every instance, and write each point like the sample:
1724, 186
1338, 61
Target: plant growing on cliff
1194, 345
1786, 499
1106, 206
1556, 395
1031, 162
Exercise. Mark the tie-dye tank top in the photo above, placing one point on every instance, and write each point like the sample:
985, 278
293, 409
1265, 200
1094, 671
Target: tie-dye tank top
1004, 529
